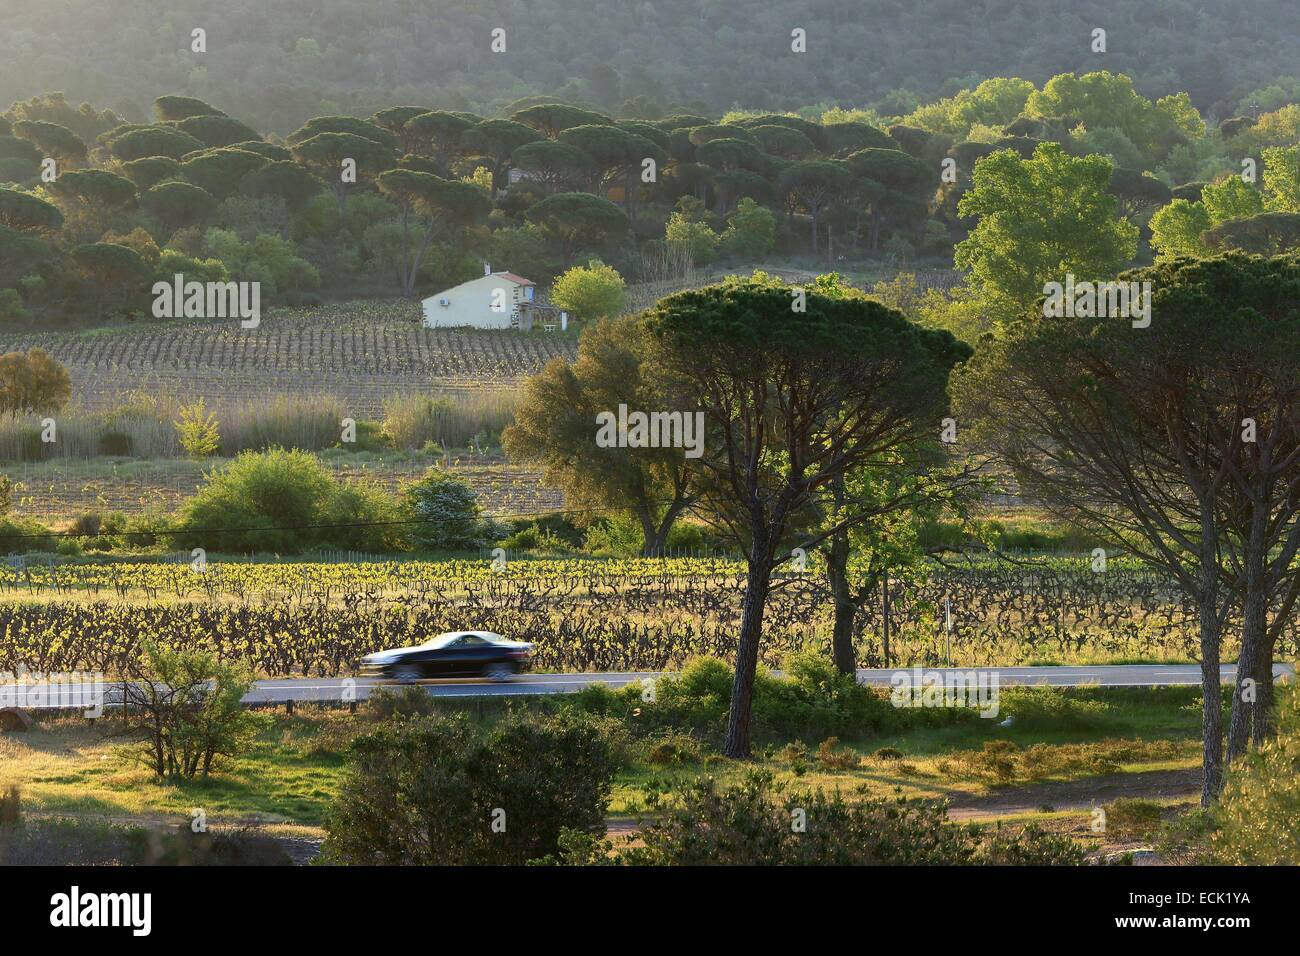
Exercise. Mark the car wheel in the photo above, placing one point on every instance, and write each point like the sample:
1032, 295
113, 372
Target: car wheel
407, 673
498, 673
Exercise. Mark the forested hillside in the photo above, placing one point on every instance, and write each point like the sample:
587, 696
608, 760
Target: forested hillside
277, 64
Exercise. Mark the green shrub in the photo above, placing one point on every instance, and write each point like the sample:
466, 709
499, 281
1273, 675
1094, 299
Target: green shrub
11, 807
198, 431
1051, 708
286, 502
98, 531
618, 536
754, 823
20, 535
434, 791
185, 708
1132, 818
535, 538
1258, 818
673, 749
811, 700
831, 756
410, 701
115, 444
366, 518
446, 513
279, 493
685, 536
181, 846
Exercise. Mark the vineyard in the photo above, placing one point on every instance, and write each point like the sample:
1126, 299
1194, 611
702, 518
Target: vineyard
362, 353
290, 619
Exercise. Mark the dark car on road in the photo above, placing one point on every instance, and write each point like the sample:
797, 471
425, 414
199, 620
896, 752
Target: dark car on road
454, 654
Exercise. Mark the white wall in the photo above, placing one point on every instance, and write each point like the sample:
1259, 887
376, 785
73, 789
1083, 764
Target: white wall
470, 303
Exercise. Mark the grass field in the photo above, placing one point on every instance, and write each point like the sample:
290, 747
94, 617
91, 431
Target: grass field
1091, 746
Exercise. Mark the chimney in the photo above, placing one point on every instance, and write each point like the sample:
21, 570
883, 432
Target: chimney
487, 268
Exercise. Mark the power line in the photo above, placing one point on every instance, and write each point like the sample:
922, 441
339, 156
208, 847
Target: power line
164, 532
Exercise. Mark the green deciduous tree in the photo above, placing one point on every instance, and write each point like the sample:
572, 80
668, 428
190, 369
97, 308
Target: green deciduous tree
1038, 220
32, 381
556, 424
590, 292
446, 513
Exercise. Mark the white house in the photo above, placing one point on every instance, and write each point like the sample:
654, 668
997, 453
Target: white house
495, 300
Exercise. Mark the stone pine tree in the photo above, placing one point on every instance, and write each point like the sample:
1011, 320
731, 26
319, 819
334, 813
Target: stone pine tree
1139, 435
798, 390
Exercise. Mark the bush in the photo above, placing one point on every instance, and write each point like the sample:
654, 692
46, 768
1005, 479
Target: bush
278, 489
11, 807
752, 232
1258, 817
673, 749
590, 292
32, 382
831, 756
275, 501
410, 701
21, 535
100, 530
186, 710
811, 700
696, 237
446, 513
533, 537
434, 791
198, 431
369, 519
1132, 818
753, 823
618, 536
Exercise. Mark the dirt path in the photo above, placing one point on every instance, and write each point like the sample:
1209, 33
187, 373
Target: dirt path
1079, 794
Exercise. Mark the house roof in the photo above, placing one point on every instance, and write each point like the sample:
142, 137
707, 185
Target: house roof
518, 280
508, 276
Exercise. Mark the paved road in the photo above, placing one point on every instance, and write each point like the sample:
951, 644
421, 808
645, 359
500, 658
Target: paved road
82, 695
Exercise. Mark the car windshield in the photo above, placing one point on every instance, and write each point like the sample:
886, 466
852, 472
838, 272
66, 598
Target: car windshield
444, 640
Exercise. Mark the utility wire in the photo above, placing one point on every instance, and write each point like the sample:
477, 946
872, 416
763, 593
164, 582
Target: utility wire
162, 532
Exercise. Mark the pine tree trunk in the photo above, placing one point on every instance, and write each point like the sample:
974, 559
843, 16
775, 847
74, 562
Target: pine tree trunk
1211, 692
837, 574
757, 583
